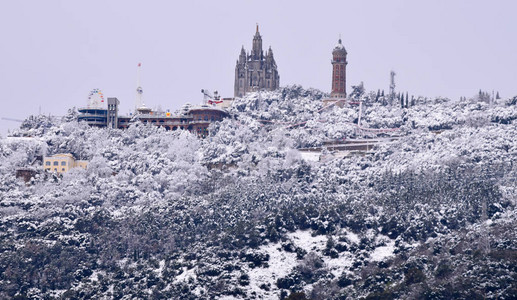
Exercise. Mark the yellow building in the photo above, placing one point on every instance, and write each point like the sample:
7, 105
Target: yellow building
62, 163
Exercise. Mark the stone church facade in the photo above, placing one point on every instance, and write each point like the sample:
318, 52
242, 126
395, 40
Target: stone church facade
256, 71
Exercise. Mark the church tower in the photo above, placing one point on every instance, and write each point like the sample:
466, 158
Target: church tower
257, 53
339, 71
255, 71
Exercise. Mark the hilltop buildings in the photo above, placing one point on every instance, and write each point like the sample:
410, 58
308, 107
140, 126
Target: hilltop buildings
195, 119
255, 71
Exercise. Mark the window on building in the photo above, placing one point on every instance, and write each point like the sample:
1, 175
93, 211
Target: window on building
56, 163
63, 169
63, 163
47, 163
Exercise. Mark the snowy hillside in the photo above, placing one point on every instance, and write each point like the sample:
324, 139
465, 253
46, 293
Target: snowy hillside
429, 213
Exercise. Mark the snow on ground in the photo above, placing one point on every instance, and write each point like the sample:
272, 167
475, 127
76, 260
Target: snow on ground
305, 240
95, 275
382, 252
11, 139
159, 270
337, 265
185, 275
280, 264
310, 156
354, 238
199, 291
54, 293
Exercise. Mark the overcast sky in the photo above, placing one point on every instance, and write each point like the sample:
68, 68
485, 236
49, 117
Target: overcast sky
54, 52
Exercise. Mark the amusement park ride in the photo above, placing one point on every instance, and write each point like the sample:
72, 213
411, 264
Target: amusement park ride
95, 98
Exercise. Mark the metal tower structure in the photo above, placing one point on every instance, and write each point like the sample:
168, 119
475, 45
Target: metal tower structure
392, 86
139, 103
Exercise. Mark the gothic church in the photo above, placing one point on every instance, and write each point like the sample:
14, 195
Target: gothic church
255, 71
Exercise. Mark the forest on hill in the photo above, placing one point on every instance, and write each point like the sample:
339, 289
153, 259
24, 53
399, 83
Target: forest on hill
244, 214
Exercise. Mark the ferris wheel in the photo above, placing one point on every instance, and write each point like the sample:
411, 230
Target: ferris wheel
95, 98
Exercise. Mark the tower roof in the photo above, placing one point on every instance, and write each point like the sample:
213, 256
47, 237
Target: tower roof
339, 47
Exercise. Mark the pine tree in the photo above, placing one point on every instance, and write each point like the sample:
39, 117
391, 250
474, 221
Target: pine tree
497, 95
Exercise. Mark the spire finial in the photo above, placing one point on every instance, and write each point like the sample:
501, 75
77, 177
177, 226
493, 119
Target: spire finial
339, 38
257, 27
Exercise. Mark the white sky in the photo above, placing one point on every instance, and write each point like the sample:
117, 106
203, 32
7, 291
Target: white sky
54, 52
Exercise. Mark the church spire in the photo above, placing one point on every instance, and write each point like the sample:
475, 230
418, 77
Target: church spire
257, 46
269, 55
242, 56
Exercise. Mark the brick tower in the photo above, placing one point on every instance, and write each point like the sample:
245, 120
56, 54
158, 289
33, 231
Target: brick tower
339, 71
